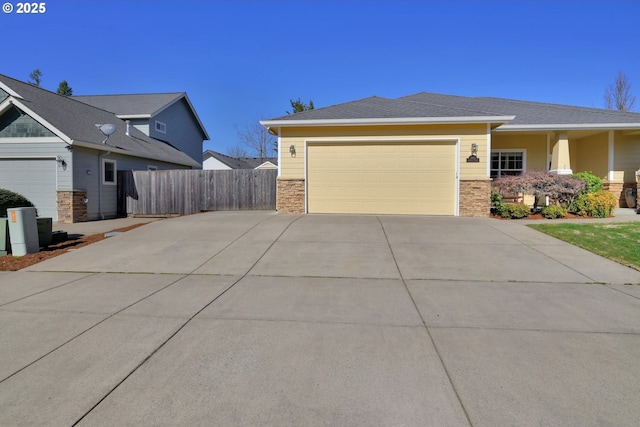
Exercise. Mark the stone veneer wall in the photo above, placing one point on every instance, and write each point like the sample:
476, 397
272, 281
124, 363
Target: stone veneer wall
290, 196
617, 189
71, 206
475, 198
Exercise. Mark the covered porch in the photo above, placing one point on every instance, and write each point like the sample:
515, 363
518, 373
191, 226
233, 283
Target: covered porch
612, 155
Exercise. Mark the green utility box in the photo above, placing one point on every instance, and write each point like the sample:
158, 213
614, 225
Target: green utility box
45, 230
5, 242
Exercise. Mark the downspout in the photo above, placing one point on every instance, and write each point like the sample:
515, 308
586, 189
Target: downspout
101, 181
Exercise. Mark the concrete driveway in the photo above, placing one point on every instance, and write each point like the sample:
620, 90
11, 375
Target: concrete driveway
254, 318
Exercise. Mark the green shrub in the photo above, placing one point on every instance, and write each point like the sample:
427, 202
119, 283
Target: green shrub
514, 211
593, 184
9, 200
553, 212
599, 205
497, 202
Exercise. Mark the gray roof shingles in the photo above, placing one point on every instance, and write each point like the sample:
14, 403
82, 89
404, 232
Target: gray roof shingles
238, 163
433, 105
531, 113
384, 108
132, 104
77, 121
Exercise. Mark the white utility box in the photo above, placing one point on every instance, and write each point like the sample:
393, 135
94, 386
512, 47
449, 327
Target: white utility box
23, 231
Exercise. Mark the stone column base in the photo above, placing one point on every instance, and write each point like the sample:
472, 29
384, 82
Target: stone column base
617, 189
290, 195
72, 207
475, 198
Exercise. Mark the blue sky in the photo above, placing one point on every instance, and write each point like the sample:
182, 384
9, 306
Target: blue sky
240, 61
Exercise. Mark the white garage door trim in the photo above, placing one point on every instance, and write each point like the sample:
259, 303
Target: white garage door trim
51, 162
365, 140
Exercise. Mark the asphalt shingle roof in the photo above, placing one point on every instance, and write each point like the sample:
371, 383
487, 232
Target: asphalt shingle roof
238, 163
385, 108
531, 113
134, 104
433, 105
77, 121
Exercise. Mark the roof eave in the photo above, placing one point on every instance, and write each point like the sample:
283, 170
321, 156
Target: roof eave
106, 147
567, 126
17, 103
387, 121
133, 116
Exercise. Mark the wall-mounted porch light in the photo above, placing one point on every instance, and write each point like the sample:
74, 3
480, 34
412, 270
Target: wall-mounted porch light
292, 150
62, 162
473, 158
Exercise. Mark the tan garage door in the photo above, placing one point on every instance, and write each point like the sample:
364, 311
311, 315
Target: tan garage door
382, 178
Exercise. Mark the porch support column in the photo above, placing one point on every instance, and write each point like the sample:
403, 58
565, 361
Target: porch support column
560, 160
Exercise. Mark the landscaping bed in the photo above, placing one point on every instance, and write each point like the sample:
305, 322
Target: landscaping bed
11, 263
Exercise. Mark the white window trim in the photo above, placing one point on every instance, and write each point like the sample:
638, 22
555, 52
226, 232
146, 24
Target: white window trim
511, 150
161, 124
115, 172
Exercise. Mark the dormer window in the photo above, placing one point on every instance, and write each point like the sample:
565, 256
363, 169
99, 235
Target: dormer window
161, 127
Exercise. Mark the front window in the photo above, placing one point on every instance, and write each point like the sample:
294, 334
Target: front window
109, 172
507, 162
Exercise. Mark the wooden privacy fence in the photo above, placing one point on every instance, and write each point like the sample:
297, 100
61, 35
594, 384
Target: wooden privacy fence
184, 192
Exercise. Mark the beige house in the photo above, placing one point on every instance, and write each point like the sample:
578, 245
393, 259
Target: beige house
434, 154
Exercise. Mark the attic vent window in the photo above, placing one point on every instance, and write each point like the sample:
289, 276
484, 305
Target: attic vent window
161, 127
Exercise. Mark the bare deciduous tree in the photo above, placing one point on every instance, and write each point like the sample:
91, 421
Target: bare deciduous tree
259, 142
237, 151
618, 94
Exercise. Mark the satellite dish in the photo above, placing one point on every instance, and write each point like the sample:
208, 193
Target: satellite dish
107, 129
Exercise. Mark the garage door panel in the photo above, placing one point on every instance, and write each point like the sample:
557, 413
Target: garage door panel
33, 178
407, 178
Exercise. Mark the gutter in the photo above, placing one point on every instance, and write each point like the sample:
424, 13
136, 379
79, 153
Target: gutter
567, 126
388, 121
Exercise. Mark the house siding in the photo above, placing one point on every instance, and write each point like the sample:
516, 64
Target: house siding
627, 157
593, 155
89, 160
534, 144
183, 131
41, 149
294, 167
292, 172
214, 164
141, 124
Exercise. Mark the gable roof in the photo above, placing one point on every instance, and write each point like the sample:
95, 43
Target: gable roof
238, 163
425, 107
377, 110
74, 122
141, 106
532, 115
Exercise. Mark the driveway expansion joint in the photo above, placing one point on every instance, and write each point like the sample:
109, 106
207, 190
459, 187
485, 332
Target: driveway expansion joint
425, 326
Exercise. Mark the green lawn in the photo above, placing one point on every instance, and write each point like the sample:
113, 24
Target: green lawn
619, 242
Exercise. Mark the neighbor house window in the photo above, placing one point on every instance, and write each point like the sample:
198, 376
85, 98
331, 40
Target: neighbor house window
161, 127
108, 172
507, 162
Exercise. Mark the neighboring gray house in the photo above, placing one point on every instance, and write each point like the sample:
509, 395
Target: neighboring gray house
52, 152
169, 117
212, 160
